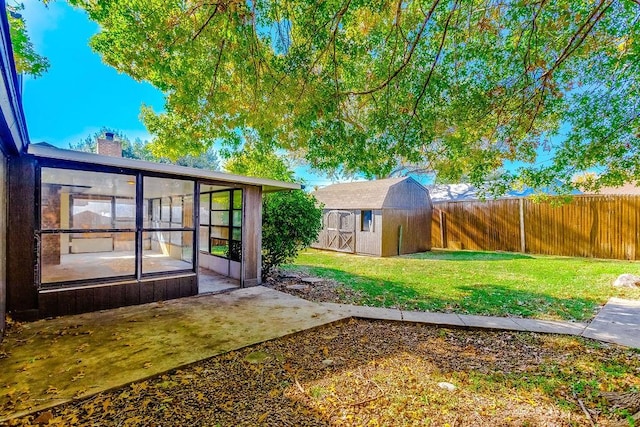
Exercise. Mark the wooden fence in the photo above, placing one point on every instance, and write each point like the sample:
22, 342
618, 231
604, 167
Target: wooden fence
589, 226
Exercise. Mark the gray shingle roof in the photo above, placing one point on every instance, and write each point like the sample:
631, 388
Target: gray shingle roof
361, 194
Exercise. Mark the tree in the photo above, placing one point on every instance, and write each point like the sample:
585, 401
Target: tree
458, 87
142, 151
27, 60
291, 220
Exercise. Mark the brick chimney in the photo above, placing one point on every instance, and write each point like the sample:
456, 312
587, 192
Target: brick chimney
108, 146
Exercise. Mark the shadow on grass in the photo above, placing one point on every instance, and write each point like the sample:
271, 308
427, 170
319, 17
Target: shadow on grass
467, 256
482, 298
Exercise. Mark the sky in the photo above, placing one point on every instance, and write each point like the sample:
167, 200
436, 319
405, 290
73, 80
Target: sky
80, 94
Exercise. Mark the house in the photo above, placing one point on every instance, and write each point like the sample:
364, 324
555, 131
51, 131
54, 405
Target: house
13, 140
85, 232
463, 192
384, 217
628, 189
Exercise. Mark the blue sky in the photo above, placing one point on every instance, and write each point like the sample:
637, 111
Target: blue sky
79, 94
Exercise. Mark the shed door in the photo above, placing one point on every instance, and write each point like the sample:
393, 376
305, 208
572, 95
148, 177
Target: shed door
341, 231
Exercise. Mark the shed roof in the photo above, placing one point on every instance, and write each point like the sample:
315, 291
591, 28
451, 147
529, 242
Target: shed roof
365, 194
51, 152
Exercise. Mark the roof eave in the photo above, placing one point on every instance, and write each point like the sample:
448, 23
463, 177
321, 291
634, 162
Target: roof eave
13, 130
268, 185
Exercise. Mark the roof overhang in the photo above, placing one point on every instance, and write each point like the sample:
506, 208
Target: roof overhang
50, 152
13, 128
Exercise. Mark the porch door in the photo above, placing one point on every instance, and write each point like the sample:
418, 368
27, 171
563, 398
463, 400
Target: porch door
341, 231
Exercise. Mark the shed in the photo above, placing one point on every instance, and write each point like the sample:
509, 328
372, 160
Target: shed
384, 217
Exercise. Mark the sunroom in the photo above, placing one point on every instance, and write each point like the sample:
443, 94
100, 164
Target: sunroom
91, 232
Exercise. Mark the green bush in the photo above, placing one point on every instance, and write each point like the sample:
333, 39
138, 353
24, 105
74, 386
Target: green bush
291, 221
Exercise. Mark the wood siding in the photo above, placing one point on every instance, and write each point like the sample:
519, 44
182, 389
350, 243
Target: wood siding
407, 195
589, 226
416, 231
251, 274
85, 299
3, 242
369, 242
22, 293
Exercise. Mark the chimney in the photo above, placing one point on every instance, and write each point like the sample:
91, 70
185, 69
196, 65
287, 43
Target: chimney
108, 146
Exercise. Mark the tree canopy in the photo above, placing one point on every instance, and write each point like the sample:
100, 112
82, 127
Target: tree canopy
459, 88
27, 60
141, 150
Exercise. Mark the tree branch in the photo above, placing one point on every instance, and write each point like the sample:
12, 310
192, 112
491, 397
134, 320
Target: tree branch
405, 61
435, 60
203, 26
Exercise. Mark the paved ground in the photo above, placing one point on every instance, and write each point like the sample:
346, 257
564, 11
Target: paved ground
618, 322
54, 361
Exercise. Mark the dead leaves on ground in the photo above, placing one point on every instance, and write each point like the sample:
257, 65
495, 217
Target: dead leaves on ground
381, 373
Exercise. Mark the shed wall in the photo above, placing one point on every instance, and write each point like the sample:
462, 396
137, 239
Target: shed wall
369, 242
407, 194
416, 231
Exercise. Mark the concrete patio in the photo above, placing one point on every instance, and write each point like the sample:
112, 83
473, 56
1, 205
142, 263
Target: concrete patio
49, 362
53, 361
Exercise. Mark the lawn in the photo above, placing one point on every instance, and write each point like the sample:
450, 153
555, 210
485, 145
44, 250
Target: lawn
469, 282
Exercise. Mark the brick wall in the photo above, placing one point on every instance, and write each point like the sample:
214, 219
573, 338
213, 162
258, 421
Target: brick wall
50, 244
109, 147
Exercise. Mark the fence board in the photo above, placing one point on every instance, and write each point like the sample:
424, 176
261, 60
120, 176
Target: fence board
590, 226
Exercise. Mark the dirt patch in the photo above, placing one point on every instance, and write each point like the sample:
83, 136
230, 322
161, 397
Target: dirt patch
313, 288
377, 373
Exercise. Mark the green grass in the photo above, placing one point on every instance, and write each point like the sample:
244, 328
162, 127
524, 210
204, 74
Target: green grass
469, 282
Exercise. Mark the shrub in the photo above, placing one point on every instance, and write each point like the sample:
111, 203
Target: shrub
291, 221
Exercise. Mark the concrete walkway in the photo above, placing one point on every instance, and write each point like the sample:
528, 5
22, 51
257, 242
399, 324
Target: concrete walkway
50, 362
459, 320
618, 322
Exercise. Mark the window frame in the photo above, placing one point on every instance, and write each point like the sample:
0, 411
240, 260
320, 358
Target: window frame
230, 241
150, 228
369, 223
138, 229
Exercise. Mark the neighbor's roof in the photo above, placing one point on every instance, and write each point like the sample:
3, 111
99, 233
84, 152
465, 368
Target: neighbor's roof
363, 194
50, 152
467, 192
628, 189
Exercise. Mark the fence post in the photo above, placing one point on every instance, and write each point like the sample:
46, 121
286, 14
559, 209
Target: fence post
442, 230
523, 245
